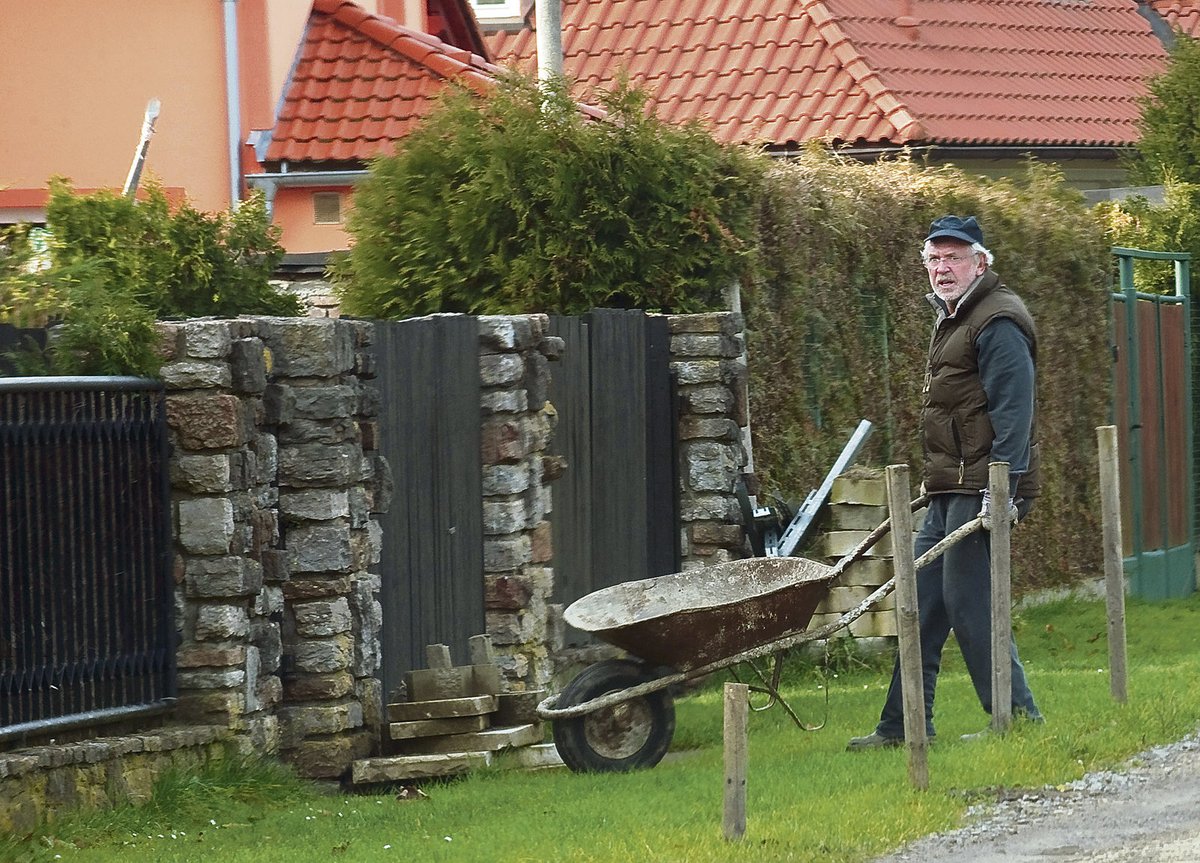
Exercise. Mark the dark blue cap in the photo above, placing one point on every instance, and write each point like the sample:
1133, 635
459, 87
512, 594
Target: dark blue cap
956, 228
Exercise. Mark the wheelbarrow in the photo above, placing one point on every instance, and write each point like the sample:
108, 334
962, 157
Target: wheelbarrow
619, 714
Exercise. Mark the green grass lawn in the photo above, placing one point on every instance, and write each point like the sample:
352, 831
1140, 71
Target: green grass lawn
807, 798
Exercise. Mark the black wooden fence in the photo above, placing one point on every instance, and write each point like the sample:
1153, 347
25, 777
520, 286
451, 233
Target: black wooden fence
615, 510
432, 563
86, 597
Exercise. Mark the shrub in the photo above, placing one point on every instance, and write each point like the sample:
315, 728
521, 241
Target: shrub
518, 202
113, 265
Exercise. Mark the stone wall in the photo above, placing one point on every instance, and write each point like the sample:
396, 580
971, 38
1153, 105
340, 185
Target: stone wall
274, 478
518, 422
706, 353
39, 782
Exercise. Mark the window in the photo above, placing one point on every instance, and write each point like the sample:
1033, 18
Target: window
327, 208
487, 10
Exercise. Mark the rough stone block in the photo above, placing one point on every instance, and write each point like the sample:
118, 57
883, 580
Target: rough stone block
206, 339
446, 708
322, 618
324, 403
221, 622
319, 547
309, 347
206, 525
438, 727
491, 740
518, 708
324, 655
505, 332
507, 592
195, 375
319, 465
500, 370
713, 466
314, 504
369, 771
201, 474
319, 687
207, 422
248, 365
853, 516
212, 577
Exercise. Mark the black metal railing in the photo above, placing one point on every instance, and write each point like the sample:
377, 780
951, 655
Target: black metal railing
86, 606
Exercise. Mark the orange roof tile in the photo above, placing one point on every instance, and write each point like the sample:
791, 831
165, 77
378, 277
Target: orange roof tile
361, 82
870, 72
1184, 14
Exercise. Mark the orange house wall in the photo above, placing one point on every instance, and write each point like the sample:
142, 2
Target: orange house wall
293, 213
78, 75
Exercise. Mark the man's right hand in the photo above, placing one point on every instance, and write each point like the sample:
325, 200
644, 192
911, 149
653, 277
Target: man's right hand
985, 511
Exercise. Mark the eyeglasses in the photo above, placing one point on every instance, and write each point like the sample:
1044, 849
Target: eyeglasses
932, 262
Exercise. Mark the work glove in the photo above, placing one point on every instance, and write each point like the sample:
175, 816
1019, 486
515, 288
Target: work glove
985, 511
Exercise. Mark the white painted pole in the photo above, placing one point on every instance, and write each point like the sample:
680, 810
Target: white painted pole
548, 18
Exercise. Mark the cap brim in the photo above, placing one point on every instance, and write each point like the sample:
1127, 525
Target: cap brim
951, 235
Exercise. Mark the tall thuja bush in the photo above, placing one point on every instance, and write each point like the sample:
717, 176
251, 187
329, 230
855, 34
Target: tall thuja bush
113, 265
838, 329
517, 201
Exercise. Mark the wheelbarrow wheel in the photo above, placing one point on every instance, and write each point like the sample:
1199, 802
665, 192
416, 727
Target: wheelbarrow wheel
630, 735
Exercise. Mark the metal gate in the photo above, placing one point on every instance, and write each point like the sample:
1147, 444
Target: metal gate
87, 629
432, 561
1155, 430
616, 509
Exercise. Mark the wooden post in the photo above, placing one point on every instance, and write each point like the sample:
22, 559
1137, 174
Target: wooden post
908, 625
737, 714
1001, 530
1114, 571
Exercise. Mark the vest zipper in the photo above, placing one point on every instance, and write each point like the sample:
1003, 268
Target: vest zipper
962, 461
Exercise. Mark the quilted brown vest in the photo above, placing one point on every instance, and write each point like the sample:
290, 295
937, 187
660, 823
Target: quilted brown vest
957, 432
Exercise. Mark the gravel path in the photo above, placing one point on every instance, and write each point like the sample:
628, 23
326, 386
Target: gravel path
1146, 812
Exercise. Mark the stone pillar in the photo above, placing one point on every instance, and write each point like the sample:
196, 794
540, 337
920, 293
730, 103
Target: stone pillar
330, 480
518, 422
275, 477
228, 594
713, 416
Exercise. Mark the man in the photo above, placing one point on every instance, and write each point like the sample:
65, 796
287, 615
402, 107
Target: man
978, 408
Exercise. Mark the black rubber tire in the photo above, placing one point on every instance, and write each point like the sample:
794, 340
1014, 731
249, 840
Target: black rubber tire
632, 735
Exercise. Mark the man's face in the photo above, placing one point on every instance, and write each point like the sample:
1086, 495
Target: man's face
952, 267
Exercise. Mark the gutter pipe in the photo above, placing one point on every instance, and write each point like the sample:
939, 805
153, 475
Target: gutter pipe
233, 102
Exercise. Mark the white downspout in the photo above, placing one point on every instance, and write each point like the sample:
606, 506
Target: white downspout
548, 18
233, 103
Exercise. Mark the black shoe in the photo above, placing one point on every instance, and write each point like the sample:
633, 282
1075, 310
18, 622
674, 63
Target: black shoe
874, 740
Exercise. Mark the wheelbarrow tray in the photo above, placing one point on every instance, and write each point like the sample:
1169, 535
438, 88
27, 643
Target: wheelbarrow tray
687, 620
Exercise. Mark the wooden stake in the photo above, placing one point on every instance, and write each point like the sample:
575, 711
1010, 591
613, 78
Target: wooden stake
1114, 571
737, 713
908, 625
1001, 530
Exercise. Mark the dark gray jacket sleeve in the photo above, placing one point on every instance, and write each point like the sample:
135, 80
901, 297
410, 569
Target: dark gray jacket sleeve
1006, 371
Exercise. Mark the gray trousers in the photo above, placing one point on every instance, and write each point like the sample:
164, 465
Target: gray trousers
954, 592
